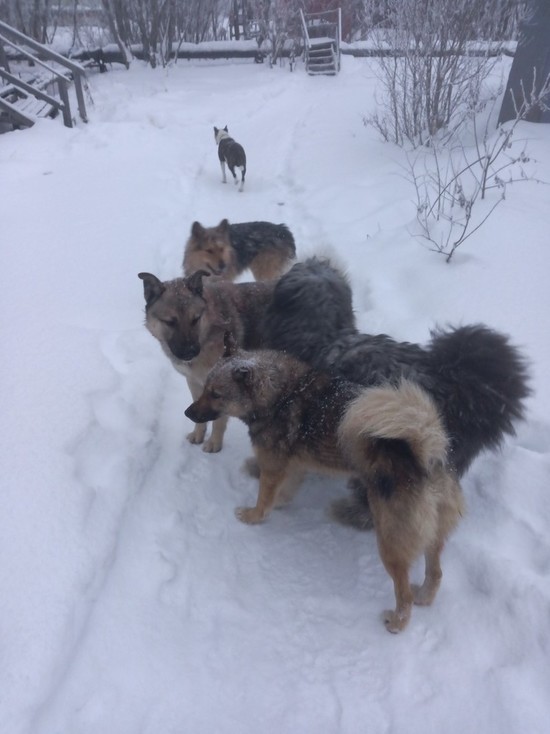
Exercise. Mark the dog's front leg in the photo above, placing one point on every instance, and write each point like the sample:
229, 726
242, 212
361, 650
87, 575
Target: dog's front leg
215, 442
199, 431
197, 434
271, 478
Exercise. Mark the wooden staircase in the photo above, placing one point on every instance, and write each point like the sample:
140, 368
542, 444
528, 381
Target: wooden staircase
322, 41
43, 89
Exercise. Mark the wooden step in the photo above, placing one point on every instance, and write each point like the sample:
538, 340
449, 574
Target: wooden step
11, 114
35, 107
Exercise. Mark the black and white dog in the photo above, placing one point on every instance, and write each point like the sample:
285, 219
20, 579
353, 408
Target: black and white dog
232, 153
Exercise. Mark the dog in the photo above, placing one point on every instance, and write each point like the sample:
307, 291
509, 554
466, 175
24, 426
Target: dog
477, 378
232, 153
227, 250
390, 437
188, 316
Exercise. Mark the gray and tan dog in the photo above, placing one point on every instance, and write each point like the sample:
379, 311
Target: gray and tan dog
227, 250
188, 316
392, 438
231, 153
478, 379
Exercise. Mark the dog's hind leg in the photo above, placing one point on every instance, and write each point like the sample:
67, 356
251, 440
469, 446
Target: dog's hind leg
398, 568
215, 442
450, 509
232, 171
250, 467
425, 594
289, 486
222, 166
243, 172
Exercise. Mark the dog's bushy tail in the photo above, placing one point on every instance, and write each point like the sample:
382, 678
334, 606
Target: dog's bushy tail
393, 437
311, 307
480, 385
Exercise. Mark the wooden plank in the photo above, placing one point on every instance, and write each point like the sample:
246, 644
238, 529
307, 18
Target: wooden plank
34, 107
14, 114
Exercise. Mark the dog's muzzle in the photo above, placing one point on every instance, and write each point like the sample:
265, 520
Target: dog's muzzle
197, 415
186, 354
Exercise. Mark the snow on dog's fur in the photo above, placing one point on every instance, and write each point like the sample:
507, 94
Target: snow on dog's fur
392, 438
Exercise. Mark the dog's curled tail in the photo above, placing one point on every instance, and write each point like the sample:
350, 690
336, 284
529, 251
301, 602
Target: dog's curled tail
390, 415
480, 385
394, 437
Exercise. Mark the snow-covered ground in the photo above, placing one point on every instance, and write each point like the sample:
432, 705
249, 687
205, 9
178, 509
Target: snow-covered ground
133, 601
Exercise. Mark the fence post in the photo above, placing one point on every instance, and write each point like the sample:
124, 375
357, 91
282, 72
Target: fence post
64, 95
77, 78
3, 57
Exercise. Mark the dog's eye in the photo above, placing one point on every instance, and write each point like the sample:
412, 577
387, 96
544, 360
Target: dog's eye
173, 322
215, 395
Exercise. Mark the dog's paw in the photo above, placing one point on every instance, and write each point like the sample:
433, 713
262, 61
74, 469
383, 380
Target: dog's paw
249, 515
212, 446
196, 437
395, 621
250, 467
422, 595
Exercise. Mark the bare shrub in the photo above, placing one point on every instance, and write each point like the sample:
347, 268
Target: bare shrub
450, 183
432, 66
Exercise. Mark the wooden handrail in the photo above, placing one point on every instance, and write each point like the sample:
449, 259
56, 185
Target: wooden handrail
76, 70
39, 47
31, 57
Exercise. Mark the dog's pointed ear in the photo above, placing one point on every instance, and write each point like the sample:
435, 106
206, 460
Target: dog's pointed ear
226, 130
215, 130
223, 226
153, 288
194, 282
230, 346
197, 229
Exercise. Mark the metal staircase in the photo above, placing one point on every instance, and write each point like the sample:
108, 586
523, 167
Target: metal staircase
45, 90
322, 40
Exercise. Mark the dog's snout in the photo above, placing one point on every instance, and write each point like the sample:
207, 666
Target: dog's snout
190, 413
186, 352
199, 414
